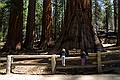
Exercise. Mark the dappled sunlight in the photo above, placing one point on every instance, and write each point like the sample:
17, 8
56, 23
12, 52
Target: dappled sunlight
86, 78
108, 45
70, 77
59, 77
55, 78
20, 77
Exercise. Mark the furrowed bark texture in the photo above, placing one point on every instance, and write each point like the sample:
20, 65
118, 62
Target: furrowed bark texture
14, 37
77, 31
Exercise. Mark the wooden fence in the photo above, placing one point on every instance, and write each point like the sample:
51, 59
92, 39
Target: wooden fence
10, 59
55, 58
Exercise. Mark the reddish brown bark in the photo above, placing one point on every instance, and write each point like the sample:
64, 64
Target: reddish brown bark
30, 29
14, 37
77, 31
46, 24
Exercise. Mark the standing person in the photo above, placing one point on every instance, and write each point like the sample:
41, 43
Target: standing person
83, 57
63, 55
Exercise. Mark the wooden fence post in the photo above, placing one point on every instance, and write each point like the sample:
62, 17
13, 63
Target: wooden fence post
53, 63
9, 60
99, 62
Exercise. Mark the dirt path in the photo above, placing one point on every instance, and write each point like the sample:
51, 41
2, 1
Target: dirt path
60, 77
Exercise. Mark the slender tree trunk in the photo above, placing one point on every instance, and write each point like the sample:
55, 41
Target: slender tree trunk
115, 15
106, 26
63, 9
14, 37
106, 22
30, 29
77, 31
118, 37
96, 15
106, 18
1, 17
46, 24
0, 20
55, 20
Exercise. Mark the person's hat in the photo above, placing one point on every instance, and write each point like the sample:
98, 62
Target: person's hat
63, 50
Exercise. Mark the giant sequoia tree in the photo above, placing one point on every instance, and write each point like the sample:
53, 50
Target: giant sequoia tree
14, 37
46, 24
30, 29
77, 31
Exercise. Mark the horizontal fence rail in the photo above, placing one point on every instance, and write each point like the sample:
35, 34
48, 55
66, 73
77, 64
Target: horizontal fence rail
11, 57
97, 60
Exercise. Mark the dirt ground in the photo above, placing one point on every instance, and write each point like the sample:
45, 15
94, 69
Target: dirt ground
61, 77
36, 70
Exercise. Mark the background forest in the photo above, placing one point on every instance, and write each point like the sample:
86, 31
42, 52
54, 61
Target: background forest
39, 24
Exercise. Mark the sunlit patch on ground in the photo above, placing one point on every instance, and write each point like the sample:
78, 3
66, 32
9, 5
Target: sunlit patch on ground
108, 45
60, 77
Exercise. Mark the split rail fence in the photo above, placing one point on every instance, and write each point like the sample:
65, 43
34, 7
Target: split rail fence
93, 60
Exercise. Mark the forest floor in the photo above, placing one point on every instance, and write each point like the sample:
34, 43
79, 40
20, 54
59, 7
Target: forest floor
60, 77
36, 70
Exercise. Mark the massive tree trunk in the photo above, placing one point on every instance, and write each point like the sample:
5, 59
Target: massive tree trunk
14, 37
77, 31
46, 24
118, 37
30, 29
